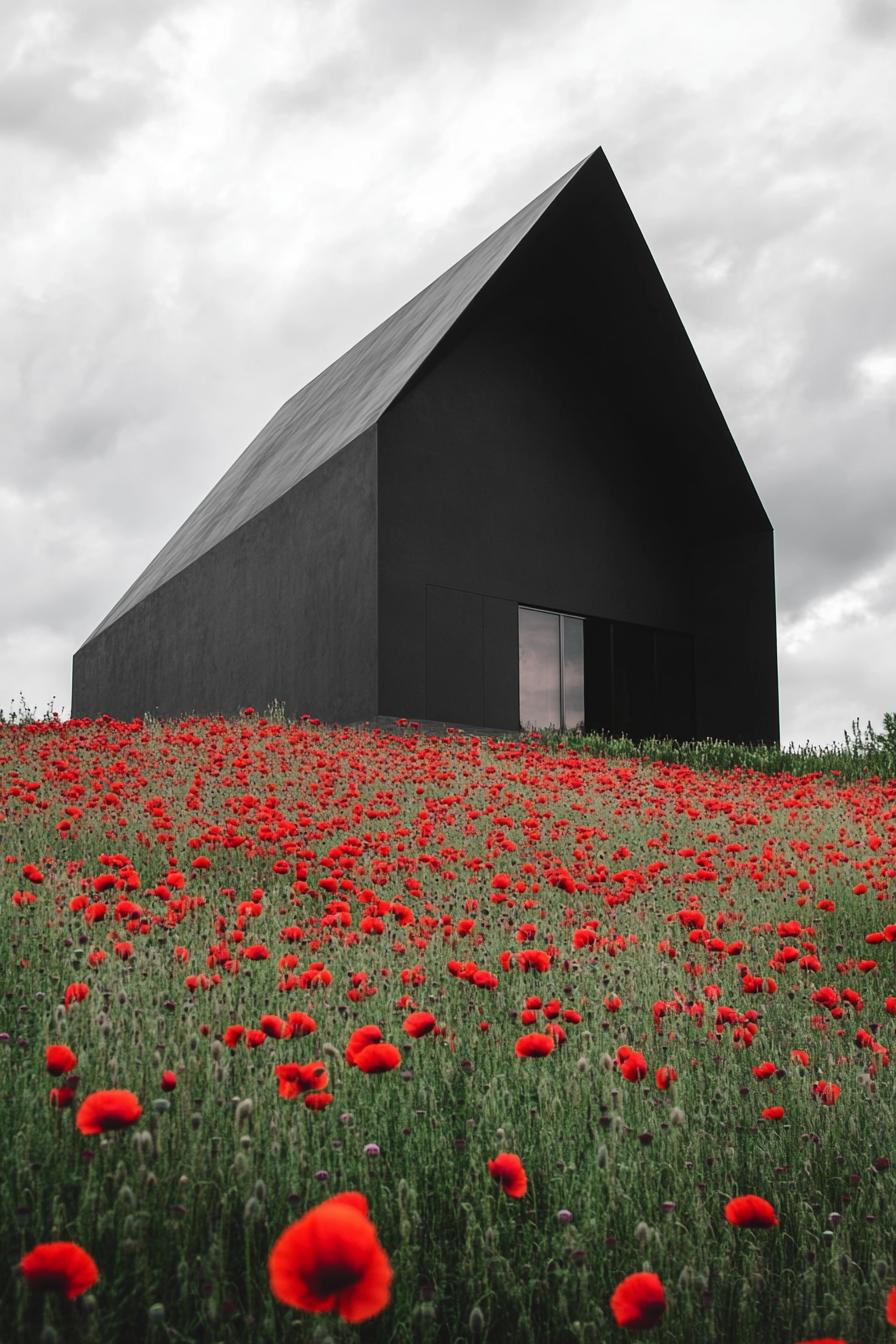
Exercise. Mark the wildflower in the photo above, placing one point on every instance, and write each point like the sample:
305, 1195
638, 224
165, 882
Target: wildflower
294, 1079
364, 1036
60, 1059
61, 1266
773, 1113
826, 1093
418, 1024
508, 1171
534, 1045
301, 1024
632, 1064
114, 1108
638, 1302
332, 1260
379, 1057
169, 1080
750, 1211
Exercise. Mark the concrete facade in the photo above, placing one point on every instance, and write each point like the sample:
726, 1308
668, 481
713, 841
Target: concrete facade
555, 445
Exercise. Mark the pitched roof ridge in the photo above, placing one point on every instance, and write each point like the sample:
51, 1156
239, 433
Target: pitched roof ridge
336, 405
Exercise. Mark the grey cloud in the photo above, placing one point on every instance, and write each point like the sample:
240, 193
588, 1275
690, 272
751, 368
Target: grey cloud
870, 19
390, 44
47, 106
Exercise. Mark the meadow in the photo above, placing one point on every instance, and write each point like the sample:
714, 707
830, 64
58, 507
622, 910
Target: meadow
627, 1067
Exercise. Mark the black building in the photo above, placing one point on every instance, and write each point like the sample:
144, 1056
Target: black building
515, 501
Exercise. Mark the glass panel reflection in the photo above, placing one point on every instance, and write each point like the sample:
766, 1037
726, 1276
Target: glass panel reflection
573, 672
539, 668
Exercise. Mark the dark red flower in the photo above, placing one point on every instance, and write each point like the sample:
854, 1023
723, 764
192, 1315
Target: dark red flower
60, 1059
114, 1108
169, 1080
61, 1266
332, 1260
638, 1302
750, 1211
61, 1097
508, 1171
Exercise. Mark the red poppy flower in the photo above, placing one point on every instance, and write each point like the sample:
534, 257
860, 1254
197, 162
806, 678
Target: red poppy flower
76, 993
379, 1057
62, 1266
801, 1057
169, 1080
293, 1079
103, 1111
773, 1113
891, 1307
61, 1097
274, 1026
508, 1171
750, 1211
633, 1067
764, 1070
638, 1302
60, 1059
332, 1260
301, 1023
317, 1101
418, 1024
665, 1076
534, 1045
826, 1093
361, 1038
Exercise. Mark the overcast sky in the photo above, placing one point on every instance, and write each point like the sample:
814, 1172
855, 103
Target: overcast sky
204, 204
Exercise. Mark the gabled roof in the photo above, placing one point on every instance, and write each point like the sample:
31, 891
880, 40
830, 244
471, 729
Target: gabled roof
336, 406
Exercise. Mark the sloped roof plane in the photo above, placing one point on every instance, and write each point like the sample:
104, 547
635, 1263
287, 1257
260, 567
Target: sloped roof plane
336, 406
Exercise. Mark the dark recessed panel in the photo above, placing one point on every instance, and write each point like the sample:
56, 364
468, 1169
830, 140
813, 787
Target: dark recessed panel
598, 676
454, 656
634, 681
675, 685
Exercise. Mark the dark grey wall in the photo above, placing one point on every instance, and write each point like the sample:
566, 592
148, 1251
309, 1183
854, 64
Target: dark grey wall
562, 449
284, 608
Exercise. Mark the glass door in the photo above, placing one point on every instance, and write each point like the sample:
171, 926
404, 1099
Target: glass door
552, 669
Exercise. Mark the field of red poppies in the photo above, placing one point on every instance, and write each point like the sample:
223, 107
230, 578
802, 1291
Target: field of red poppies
317, 1034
